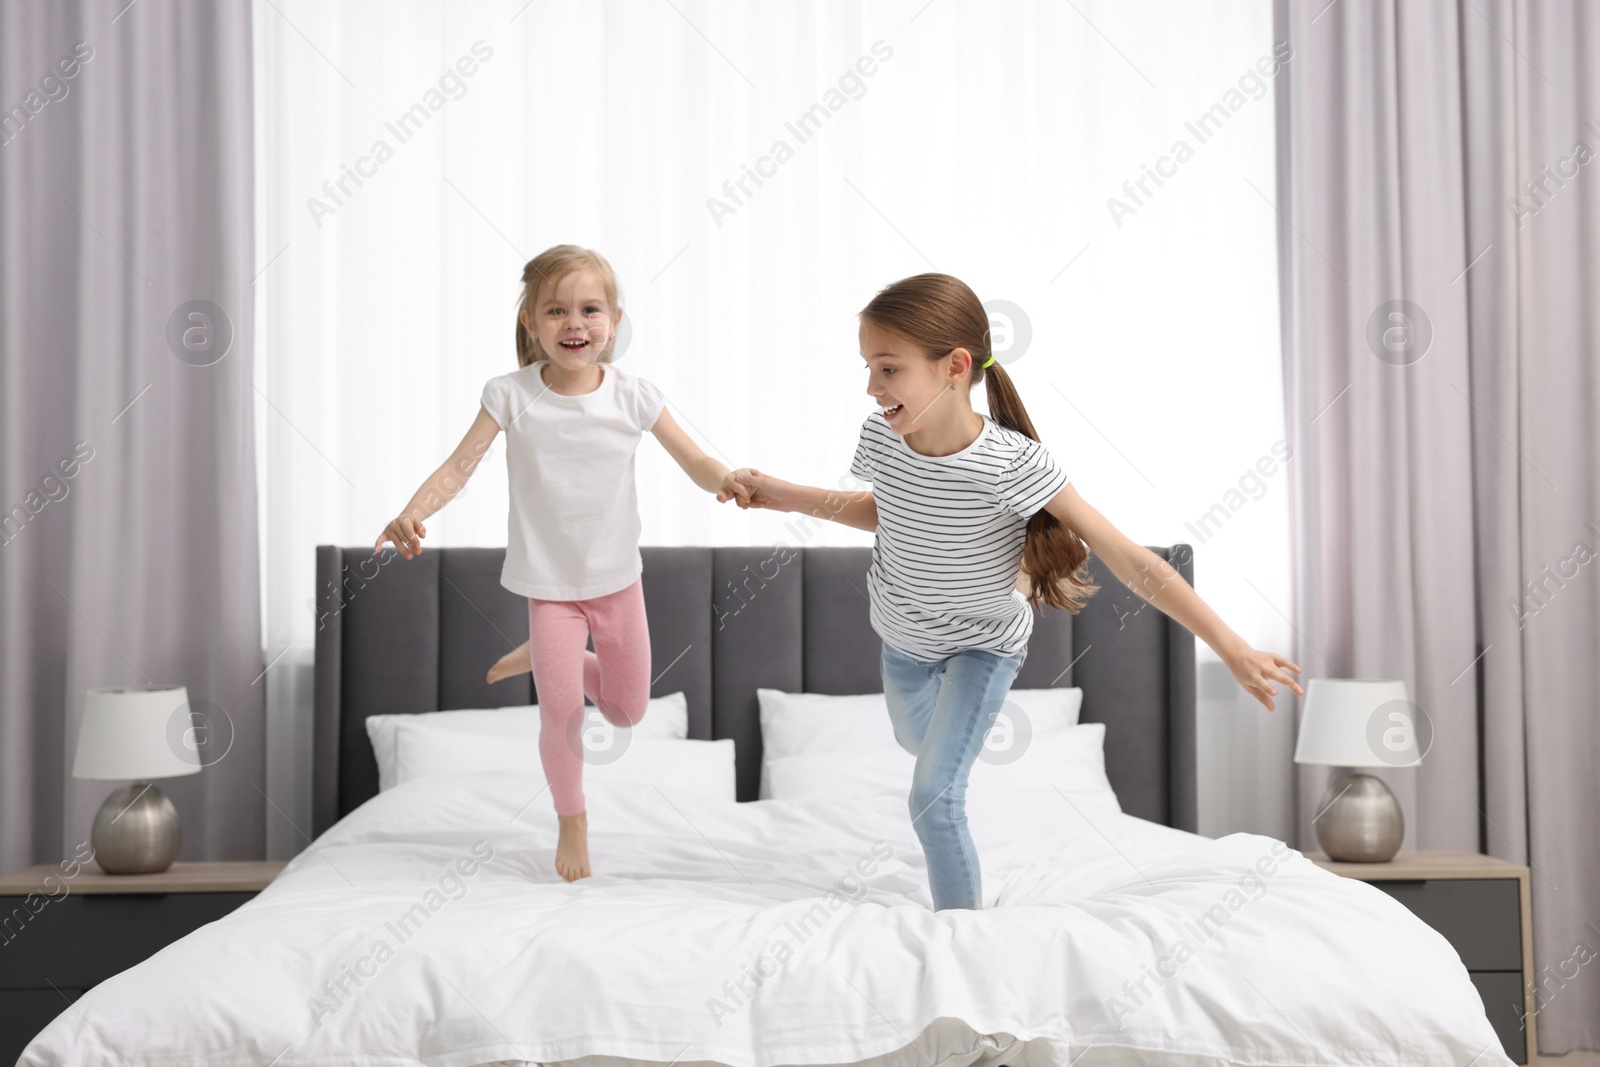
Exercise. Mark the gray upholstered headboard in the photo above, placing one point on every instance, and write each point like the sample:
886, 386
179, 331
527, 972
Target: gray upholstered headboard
397, 635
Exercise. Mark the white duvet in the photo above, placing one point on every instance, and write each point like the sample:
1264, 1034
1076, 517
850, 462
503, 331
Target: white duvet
429, 927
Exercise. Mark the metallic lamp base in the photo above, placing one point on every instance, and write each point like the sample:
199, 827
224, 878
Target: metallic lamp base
136, 831
1361, 821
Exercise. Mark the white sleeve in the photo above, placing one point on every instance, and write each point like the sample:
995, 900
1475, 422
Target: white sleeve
648, 402
496, 400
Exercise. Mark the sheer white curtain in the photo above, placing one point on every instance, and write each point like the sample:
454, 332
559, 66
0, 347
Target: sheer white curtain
411, 157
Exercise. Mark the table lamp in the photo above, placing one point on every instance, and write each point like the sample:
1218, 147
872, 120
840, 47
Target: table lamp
1358, 723
139, 732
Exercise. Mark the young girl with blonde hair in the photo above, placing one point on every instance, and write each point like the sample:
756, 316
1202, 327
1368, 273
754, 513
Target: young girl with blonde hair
572, 420
968, 510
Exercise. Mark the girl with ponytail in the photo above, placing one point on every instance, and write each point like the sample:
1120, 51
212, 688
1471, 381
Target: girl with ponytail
969, 511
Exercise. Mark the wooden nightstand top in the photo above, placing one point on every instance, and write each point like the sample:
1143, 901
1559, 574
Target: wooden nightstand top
241, 877
1438, 863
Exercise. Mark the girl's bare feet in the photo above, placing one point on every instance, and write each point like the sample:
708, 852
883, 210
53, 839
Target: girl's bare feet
572, 849
511, 664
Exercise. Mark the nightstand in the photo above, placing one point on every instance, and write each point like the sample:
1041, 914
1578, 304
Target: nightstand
1482, 907
60, 935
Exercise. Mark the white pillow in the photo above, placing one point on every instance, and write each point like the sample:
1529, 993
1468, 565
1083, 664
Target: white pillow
797, 724
664, 717
834, 774
794, 724
1069, 761
704, 767
1052, 708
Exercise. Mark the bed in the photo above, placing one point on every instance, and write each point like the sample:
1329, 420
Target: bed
425, 924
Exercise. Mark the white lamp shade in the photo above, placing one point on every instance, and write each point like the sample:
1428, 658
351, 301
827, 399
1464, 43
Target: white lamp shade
136, 732
1341, 724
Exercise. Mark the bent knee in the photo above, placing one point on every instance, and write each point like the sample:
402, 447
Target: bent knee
626, 712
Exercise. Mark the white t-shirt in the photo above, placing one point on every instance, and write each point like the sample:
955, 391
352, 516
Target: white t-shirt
949, 541
573, 531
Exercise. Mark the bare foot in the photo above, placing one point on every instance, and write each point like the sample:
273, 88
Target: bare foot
511, 664
572, 850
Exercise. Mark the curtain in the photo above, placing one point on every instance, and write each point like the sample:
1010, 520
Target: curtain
755, 172
1436, 164
127, 451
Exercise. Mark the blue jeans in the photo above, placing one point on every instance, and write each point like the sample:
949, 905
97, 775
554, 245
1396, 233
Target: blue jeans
941, 711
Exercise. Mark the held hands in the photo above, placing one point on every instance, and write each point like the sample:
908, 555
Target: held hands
733, 489
756, 490
1257, 670
406, 533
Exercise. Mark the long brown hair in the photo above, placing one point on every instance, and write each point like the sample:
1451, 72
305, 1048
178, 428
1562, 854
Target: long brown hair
548, 268
939, 314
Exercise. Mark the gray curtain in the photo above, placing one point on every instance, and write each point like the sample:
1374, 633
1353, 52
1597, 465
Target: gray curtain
127, 466
1446, 477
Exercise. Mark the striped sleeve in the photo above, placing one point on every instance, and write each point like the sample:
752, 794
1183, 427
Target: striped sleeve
1031, 481
864, 465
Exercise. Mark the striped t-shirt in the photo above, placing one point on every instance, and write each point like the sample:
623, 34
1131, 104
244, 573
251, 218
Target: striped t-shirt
949, 541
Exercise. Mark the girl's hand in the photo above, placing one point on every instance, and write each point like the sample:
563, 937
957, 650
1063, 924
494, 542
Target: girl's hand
1257, 670
406, 533
733, 488
765, 491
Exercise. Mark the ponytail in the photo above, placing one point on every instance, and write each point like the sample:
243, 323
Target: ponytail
938, 314
1053, 555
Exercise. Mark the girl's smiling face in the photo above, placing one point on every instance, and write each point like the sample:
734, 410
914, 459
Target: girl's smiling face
573, 320
903, 381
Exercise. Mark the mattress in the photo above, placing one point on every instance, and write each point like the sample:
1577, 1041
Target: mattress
429, 927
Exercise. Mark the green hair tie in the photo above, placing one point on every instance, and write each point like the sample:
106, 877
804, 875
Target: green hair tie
989, 360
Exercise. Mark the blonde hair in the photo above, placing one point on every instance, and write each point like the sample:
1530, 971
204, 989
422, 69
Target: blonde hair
547, 269
938, 314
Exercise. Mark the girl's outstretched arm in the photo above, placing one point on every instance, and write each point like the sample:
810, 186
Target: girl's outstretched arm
1154, 579
405, 530
858, 509
707, 472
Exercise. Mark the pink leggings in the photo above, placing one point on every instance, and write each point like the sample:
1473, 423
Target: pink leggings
616, 676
